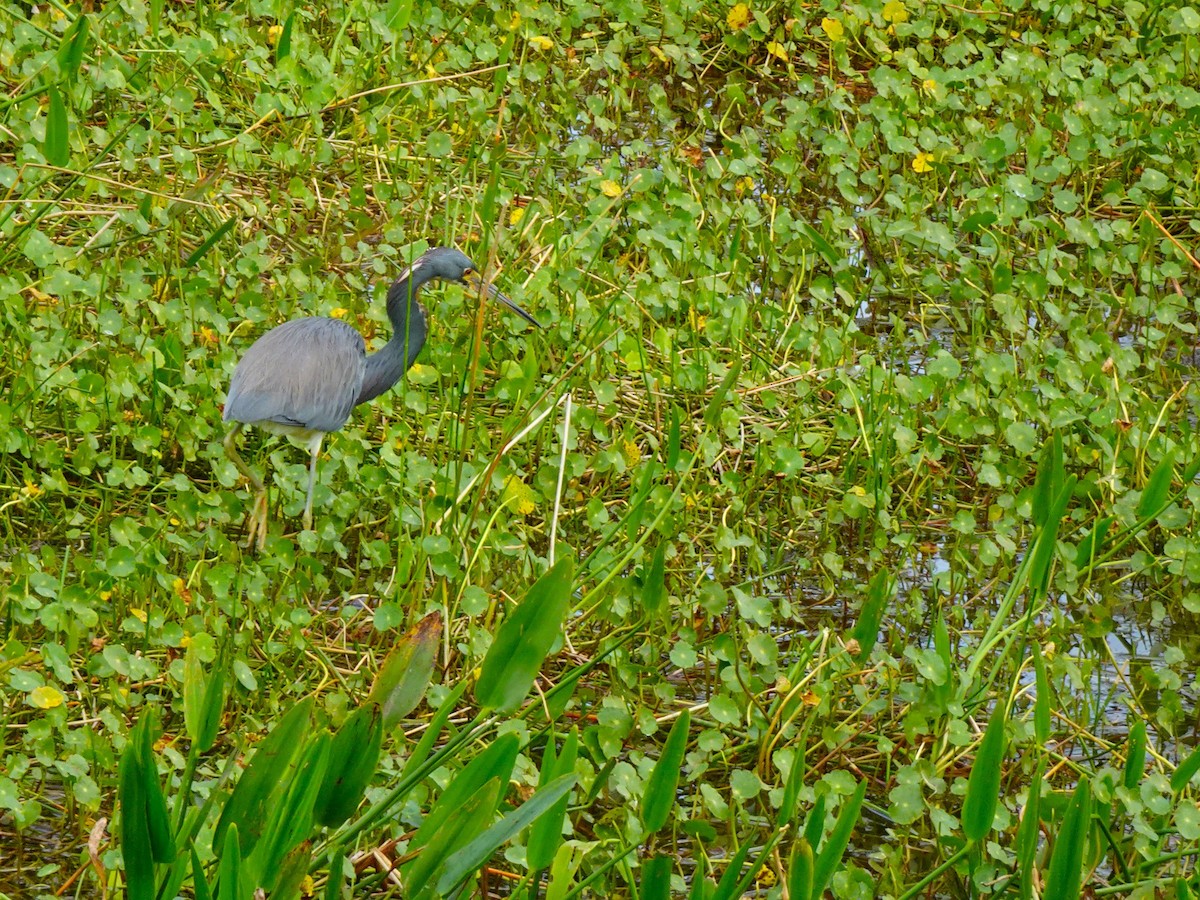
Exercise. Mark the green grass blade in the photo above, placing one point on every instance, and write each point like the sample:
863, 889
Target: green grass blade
659, 799
1049, 480
1065, 878
1093, 543
523, 640
835, 845
814, 826
983, 784
405, 674
211, 241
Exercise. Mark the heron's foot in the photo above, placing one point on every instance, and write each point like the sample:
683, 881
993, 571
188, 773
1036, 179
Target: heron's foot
258, 522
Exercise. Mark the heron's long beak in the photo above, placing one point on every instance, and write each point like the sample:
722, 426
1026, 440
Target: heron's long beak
476, 281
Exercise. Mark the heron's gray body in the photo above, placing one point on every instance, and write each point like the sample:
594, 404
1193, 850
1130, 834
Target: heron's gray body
303, 378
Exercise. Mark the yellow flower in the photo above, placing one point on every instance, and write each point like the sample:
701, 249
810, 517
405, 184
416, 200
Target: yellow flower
738, 17
777, 50
541, 42
894, 11
31, 489
46, 697
515, 22
139, 614
833, 29
929, 85
518, 495
631, 451
273, 34
610, 188
743, 184
921, 161
516, 215
658, 54
338, 312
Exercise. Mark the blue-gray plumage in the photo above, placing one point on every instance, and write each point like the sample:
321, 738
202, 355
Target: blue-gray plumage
304, 377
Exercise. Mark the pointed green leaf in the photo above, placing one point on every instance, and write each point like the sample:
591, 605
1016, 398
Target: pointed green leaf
814, 826
158, 822
658, 798
789, 807
1065, 878
405, 674
717, 404
470, 858
1135, 760
434, 730
800, 871
1041, 699
654, 583
1049, 480
496, 762
656, 878
523, 640
229, 871
831, 853
983, 784
1183, 773
1158, 488
70, 49
283, 46
547, 833
1093, 544
135, 830
1028, 832
453, 833
57, 147
866, 631
264, 778
353, 757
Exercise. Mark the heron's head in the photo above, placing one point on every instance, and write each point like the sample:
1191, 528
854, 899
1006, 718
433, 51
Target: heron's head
453, 265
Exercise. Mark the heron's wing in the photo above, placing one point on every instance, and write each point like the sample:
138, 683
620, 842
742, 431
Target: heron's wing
306, 374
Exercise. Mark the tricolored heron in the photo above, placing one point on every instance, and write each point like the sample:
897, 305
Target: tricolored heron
302, 378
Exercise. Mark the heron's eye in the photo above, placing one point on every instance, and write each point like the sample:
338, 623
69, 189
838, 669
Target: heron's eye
467, 271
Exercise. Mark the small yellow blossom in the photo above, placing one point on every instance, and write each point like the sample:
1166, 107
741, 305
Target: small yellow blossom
658, 54
515, 22
929, 85
894, 11
833, 29
541, 42
610, 188
339, 312
46, 697
777, 50
738, 17
105, 596
207, 335
743, 184
631, 451
31, 489
516, 215
921, 162
273, 34
139, 614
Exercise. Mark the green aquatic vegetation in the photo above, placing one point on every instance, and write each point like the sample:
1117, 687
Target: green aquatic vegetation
835, 538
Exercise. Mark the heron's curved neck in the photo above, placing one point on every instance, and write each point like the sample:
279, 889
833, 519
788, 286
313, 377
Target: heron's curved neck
409, 328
